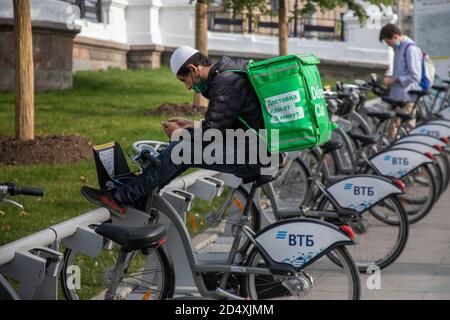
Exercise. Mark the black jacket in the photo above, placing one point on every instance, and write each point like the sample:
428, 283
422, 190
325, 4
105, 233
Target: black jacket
231, 95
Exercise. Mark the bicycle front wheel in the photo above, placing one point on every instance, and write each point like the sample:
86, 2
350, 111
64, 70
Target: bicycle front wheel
146, 277
321, 280
7, 292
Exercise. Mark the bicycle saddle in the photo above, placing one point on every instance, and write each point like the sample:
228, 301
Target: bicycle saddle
381, 115
405, 116
364, 139
331, 145
395, 103
439, 88
134, 238
419, 93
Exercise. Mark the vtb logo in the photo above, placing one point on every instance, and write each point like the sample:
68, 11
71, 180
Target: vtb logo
300, 240
396, 161
434, 133
359, 190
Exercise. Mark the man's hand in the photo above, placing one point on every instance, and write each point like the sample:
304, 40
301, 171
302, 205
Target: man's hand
169, 127
182, 122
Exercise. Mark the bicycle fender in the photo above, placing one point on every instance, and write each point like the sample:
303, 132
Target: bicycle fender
429, 140
445, 114
361, 192
440, 122
399, 162
299, 242
434, 130
416, 146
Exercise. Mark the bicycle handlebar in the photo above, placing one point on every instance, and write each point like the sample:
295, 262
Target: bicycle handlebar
13, 189
147, 156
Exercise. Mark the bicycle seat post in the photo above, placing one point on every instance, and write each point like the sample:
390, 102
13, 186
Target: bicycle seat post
237, 237
320, 166
116, 276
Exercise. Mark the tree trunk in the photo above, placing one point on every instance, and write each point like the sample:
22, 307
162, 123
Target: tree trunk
24, 71
283, 28
201, 40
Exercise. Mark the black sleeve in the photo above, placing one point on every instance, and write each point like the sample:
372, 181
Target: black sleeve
223, 108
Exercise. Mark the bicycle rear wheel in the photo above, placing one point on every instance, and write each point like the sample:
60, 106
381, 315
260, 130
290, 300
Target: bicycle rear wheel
290, 188
379, 243
147, 277
420, 193
321, 280
229, 213
7, 292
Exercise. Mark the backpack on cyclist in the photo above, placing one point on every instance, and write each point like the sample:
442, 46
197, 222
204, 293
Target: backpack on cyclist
290, 92
428, 69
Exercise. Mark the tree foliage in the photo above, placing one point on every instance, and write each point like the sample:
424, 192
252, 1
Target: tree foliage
307, 7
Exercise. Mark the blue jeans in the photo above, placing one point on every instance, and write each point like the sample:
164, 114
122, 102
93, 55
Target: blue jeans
158, 177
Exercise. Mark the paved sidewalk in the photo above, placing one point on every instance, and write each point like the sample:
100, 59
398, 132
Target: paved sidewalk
423, 269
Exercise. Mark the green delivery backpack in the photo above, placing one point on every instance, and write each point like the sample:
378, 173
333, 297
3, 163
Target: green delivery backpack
291, 96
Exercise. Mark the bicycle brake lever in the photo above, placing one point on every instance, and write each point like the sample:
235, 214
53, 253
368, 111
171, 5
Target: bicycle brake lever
13, 203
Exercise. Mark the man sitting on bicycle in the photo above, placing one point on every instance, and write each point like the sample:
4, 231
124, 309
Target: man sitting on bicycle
230, 95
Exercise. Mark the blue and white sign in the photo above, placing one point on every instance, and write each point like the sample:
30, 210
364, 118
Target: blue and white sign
399, 162
429, 140
361, 193
416, 146
441, 122
434, 130
298, 242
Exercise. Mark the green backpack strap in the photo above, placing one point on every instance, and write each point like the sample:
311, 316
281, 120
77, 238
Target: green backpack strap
245, 123
235, 70
240, 118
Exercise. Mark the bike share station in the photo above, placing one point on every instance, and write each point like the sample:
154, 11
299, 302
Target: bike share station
35, 261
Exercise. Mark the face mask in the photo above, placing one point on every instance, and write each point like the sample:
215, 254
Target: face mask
200, 86
397, 44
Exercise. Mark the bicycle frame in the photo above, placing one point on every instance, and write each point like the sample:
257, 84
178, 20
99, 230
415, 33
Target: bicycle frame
180, 236
305, 209
7, 289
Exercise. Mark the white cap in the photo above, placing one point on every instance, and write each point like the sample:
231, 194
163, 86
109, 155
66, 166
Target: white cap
180, 56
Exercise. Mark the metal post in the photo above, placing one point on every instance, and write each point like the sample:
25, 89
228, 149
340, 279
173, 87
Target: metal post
295, 19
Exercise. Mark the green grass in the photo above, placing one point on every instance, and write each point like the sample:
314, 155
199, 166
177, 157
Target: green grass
102, 106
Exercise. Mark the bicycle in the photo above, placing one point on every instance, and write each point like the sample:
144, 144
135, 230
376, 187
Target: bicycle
290, 269
354, 158
285, 198
7, 292
131, 240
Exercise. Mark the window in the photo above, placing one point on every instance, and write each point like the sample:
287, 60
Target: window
90, 10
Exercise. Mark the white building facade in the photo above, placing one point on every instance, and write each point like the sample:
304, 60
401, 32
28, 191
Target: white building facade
142, 33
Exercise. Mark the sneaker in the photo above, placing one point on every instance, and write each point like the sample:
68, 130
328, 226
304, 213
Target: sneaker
104, 199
